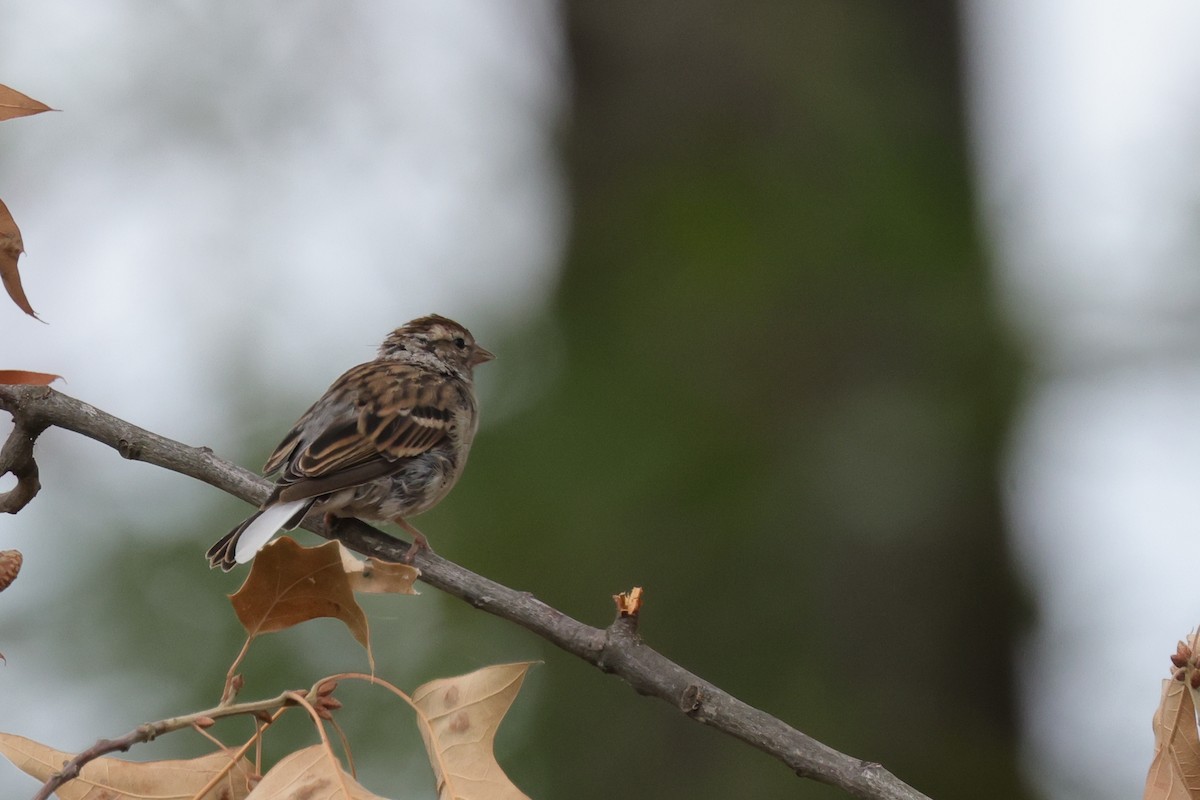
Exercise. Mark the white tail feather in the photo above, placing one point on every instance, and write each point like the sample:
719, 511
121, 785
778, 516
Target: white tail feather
263, 527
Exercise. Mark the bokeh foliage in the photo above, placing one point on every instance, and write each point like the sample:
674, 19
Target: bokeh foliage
770, 388
780, 400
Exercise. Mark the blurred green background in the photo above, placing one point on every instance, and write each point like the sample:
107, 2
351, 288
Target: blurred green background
769, 387
782, 396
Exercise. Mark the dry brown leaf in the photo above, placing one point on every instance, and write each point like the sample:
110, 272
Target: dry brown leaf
21, 377
10, 565
458, 719
1175, 769
310, 773
11, 248
113, 779
372, 576
289, 584
14, 104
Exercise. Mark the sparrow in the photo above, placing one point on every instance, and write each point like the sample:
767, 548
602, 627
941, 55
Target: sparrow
388, 440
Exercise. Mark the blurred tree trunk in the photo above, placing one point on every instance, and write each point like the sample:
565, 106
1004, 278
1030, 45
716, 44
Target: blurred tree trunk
783, 397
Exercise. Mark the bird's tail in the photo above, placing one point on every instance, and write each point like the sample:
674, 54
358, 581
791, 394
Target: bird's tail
240, 544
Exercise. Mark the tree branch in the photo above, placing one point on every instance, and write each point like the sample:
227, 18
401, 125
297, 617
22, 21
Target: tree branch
152, 730
618, 649
17, 457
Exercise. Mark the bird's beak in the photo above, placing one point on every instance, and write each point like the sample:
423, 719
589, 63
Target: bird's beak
481, 356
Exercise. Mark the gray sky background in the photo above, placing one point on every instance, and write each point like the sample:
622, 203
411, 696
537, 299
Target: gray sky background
1085, 119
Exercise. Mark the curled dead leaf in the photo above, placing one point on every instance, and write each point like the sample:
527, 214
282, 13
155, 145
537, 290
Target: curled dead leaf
20, 377
11, 248
458, 718
10, 565
14, 104
124, 780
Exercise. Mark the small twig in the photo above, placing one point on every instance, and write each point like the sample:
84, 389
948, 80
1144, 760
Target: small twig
151, 730
617, 649
17, 457
233, 684
236, 755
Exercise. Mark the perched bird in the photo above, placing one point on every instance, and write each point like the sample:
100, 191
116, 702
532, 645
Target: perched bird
386, 441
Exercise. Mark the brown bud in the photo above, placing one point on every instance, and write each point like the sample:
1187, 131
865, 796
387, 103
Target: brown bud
1179, 674
1194, 679
204, 722
1179, 660
326, 688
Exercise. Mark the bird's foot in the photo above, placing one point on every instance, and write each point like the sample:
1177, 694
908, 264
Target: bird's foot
419, 542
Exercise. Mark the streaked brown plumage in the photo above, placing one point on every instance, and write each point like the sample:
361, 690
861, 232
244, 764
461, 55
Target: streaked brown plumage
386, 441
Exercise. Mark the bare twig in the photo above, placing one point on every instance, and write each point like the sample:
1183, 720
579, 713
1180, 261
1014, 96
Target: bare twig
618, 649
152, 730
17, 457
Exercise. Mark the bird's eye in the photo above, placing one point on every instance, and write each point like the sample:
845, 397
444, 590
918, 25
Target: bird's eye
460, 342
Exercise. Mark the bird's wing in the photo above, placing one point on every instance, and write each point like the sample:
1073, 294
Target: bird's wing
371, 417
